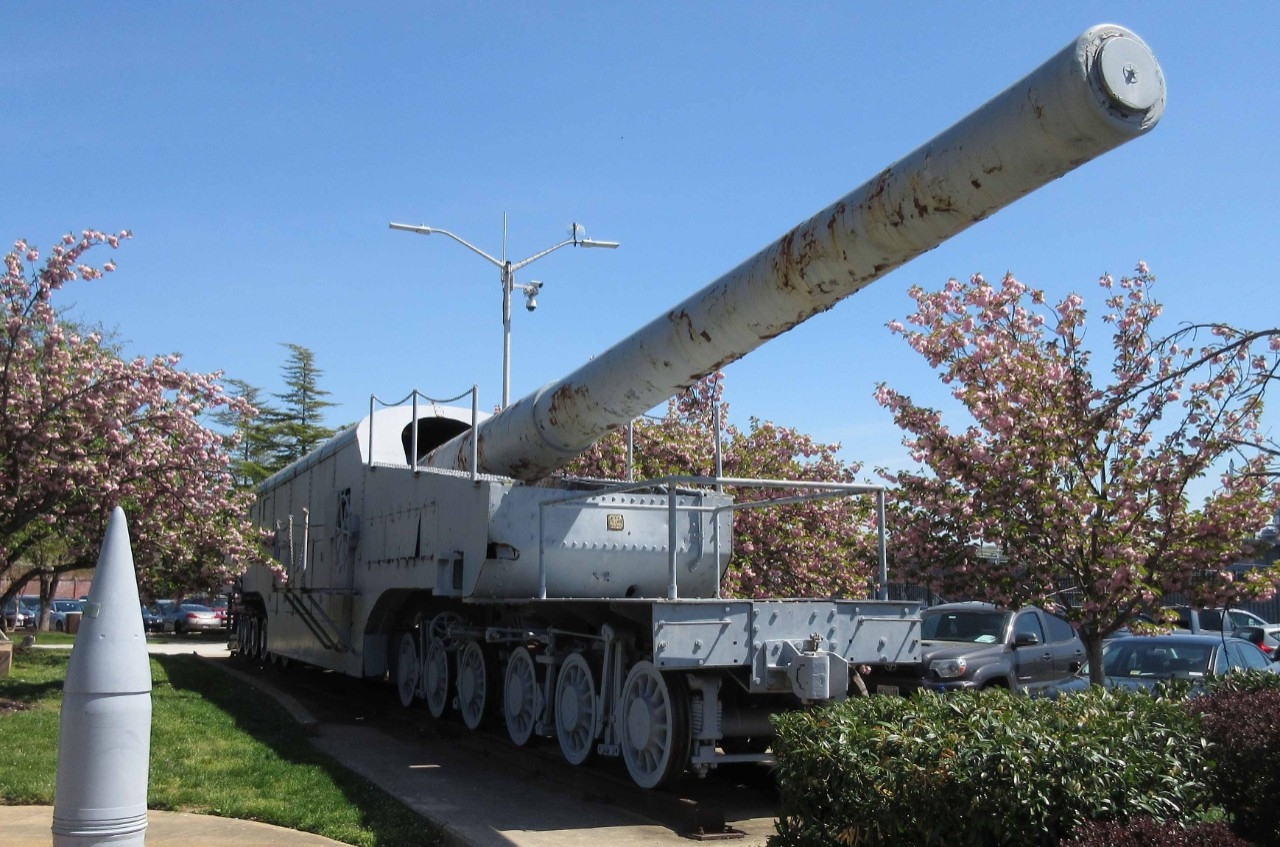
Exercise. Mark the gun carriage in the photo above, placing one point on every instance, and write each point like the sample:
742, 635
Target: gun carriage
439, 547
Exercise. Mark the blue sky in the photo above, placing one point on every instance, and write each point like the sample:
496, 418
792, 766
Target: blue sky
258, 151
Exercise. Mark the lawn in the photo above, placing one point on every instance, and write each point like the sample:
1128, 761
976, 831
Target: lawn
218, 747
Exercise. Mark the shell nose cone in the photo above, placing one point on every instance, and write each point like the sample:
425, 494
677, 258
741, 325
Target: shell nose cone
110, 654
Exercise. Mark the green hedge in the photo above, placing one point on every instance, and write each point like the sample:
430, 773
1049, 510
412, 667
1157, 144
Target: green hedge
983, 768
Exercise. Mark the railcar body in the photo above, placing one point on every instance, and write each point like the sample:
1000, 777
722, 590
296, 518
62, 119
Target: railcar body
438, 548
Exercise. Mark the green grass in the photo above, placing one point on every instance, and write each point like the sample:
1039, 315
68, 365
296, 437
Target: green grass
218, 747
44, 639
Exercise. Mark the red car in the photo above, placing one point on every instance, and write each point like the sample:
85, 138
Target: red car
219, 607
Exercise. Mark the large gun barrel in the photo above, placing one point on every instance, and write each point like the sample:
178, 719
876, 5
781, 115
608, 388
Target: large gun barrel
1101, 90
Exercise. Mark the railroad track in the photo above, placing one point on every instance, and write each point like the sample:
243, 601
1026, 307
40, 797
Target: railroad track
699, 808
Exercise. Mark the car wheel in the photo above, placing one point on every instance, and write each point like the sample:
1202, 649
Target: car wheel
178, 628
58, 626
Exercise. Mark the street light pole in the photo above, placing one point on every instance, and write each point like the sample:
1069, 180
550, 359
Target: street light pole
507, 270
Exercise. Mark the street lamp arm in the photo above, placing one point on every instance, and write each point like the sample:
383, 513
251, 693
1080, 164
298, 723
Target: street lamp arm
576, 242
536, 256
427, 230
508, 281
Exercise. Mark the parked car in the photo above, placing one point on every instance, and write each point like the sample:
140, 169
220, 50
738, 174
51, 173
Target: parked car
182, 618
59, 610
219, 606
18, 616
151, 620
1143, 661
1214, 620
1266, 637
978, 645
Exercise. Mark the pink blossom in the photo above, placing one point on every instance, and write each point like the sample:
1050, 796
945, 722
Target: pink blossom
1073, 471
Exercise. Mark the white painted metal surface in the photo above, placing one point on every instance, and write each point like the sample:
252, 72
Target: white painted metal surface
104, 735
1100, 91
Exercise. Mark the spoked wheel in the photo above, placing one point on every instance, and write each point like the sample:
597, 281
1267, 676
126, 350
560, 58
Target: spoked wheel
576, 710
260, 647
655, 728
435, 678
521, 696
244, 636
408, 669
473, 684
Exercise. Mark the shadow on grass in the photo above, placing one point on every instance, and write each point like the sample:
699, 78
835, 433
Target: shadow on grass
260, 716
32, 692
35, 663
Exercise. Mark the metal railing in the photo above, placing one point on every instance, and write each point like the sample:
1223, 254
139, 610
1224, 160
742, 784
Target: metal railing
817, 491
415, 395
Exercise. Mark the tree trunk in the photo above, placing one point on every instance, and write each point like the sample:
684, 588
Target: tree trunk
1093, 649
48, 591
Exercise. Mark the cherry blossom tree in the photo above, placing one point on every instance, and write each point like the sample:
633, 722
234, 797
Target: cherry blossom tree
83, 430
819, 548
1060, 482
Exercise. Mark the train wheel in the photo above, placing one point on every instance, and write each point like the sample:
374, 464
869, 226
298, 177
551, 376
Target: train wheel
473, 684
655, 728
576, 710
435, 682
244, 635
407, 669
521, 698
260, 648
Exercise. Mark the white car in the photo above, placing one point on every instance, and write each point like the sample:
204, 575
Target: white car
58, 613
191, 617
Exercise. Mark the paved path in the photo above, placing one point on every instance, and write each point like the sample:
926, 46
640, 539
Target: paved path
30, 826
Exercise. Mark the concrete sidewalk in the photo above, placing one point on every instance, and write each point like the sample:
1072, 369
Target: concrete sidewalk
31, 826
473, 801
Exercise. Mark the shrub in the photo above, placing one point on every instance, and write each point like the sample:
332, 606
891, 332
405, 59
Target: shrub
1146, 832
982, 768
1240, 720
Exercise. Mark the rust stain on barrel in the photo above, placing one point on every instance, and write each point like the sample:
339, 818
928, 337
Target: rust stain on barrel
562, 396
683, 322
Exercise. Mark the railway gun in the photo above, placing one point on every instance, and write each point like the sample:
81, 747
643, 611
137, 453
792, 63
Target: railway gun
442, 548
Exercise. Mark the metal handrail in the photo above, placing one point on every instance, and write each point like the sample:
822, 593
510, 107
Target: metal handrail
415, 395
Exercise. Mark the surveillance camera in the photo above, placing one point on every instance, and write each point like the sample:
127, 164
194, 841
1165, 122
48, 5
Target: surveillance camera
531, 304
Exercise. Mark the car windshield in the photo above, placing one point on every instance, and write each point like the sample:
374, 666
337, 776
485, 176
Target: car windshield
66, 606
1125, 658
978, 626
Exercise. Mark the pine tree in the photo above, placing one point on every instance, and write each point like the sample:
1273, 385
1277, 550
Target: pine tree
296, 425
252, 439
